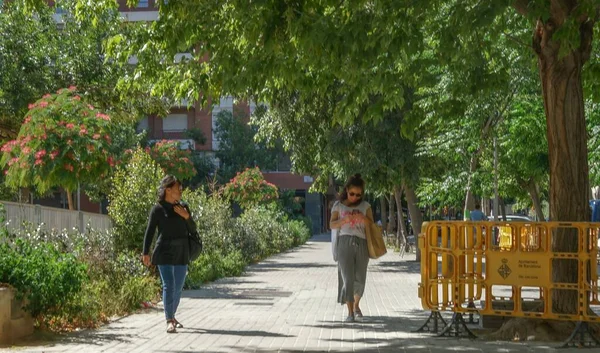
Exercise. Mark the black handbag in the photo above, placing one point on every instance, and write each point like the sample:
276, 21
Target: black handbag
195, 245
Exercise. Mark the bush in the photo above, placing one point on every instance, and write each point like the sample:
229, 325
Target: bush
218, 229
214, 265
41, 274
131, 198
172, 159
267, 225
123, 283
250, 189
109, 284
299, 232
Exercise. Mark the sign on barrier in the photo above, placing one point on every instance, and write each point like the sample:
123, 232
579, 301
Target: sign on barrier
510, 269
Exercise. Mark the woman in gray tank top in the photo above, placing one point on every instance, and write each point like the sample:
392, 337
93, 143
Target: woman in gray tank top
350, 215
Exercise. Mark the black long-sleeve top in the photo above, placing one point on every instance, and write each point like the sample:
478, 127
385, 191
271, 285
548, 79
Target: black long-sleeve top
172, 244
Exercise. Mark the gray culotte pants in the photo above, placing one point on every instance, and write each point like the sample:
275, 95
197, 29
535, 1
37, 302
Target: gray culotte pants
353, 258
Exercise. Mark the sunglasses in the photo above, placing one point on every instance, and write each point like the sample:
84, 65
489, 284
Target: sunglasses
351, 194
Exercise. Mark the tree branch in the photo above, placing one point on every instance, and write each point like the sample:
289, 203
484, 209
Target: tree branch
521, 7
517, 40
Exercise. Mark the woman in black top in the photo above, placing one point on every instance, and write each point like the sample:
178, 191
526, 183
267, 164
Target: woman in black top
171, 253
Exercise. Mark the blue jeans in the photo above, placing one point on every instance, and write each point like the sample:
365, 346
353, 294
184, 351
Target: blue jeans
173, 277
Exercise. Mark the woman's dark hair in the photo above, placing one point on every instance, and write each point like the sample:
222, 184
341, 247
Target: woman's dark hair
354, 181
166, 182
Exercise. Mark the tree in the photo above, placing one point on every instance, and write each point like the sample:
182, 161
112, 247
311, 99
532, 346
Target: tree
238, 149
172, 159
27, 51
250, 189
305, 46
38, 56
132, 197
63, 142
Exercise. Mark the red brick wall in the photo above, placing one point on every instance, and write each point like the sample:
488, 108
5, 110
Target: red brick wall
87, 205
203, 121
286, 180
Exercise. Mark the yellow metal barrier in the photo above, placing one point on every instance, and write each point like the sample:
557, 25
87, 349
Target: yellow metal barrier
507, 267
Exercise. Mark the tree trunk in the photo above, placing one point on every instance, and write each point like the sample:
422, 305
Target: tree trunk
416, 220
485, 206
535, 197
490, 123
401, 223
502, 208
567, 141
391, 223
70, 199
469, 198
384, 217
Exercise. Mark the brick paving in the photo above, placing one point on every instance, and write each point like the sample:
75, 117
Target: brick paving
285, 304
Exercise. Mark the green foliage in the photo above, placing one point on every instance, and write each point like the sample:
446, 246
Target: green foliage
107, 283
267, 225
214, 222
62, 142
238, 149
25, 59
131, 198
290, 203
41, 274
230, 244
37, 56
250, 189
116, 287
214, 265
205, 168
196, 134
172, 159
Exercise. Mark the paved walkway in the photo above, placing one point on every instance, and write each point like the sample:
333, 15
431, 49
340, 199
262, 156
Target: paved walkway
285, 304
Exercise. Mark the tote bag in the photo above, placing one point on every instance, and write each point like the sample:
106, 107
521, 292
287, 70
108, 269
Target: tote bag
334, 233
375, 243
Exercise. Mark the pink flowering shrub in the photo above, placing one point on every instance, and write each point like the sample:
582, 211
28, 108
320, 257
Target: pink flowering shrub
63, 141
172, 159
250, 189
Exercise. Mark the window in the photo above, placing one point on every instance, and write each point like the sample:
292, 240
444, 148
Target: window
175, 122
142, 3
143, 125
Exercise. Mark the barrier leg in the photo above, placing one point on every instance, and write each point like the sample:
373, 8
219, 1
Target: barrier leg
472, 306
457, 328
582, 336
434, 318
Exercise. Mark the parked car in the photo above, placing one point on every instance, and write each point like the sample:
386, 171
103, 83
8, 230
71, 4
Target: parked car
512, 218
503, 235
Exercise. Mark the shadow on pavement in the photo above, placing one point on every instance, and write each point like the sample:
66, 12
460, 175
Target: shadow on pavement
232, 332
407, 266
91, 337
238, 294
274, 266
